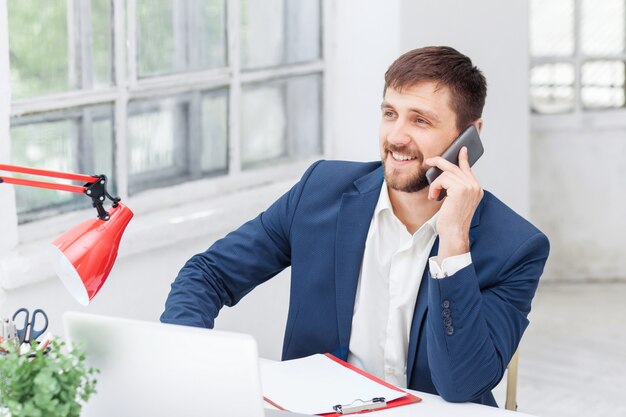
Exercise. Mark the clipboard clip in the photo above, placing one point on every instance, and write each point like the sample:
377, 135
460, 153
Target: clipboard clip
359, 405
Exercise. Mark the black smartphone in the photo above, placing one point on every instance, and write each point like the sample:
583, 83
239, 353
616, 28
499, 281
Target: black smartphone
468, 138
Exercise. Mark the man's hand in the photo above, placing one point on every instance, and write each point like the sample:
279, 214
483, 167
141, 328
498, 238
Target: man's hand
463, 196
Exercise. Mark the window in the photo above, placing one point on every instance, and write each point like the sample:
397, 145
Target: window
154, 93
578, 55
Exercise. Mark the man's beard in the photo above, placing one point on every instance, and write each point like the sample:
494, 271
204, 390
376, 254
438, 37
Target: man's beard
410, 183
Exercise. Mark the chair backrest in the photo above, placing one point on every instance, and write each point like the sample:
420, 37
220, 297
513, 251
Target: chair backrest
511, 383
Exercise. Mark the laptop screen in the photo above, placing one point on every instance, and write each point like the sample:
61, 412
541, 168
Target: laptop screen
164, 370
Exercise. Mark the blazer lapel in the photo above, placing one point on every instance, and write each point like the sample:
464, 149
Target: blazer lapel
421, 306
355, 215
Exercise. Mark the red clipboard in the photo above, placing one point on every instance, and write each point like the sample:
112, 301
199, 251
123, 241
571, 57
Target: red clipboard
408, 398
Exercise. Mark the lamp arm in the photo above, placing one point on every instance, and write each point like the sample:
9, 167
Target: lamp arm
46, 173
94, 187
43, 184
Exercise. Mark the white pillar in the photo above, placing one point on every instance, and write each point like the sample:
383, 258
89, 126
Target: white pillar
365, 42
494, 34
8, 215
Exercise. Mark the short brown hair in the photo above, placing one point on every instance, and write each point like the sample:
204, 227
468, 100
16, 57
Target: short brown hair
447, 67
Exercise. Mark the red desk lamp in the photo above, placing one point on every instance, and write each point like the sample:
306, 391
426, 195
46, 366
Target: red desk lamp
84, 255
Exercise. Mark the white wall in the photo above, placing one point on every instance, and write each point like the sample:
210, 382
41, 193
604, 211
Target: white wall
365, 42
137, 288
579, 199
494, 34
140, 280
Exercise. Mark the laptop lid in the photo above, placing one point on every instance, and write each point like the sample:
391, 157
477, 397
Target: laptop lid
155, 369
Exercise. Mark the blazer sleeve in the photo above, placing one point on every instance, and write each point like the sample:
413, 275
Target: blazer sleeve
474, 332
235, 264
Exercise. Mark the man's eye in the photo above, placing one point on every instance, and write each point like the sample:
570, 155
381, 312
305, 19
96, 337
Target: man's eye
388, 114
421, 121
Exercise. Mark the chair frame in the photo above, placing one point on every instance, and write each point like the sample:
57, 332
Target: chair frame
511, 383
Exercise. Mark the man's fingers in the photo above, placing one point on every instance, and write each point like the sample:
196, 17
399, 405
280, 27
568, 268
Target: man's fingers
444, 182
445, 165
457, 181
464, 159
441, 163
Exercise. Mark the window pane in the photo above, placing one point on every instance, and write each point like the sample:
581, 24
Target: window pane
102, 43
603, 26
281, 119
215, 131
276, 32
157, 138
102, 131
603, 84
156, 49
151, 140
303, 31
191, 35
44, 145
304, 115
208, 42
262, 33
38, 44
78, 140
552, 88
263, 124
46, 52
551, 27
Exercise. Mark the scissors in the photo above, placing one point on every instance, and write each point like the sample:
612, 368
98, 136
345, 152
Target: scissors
29, 332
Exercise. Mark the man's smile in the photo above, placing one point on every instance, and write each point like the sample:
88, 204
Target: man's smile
401, 158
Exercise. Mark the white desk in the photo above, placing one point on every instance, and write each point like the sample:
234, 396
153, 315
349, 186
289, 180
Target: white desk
434, 405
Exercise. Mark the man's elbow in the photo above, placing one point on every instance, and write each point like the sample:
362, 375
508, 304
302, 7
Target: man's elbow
457, 396
452, 396
465, 389
461, 395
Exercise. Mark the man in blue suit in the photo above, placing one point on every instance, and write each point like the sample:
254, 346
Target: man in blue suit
430, 295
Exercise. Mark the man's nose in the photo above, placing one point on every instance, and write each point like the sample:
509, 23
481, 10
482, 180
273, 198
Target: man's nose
399, 135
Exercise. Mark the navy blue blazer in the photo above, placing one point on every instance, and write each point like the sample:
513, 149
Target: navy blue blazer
465, 327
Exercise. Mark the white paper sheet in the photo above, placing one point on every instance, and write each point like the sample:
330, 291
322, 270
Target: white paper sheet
313, 385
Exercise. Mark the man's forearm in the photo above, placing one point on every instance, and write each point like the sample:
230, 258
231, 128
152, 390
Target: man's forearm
453, 243
462, 356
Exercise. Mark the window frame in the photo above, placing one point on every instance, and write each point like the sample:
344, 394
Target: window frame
579, 117
127, 86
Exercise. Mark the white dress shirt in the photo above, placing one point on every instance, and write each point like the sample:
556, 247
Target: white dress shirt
391, 272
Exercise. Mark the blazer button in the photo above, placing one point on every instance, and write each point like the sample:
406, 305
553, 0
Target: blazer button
449, 330
447, 322
445, 313
445, 304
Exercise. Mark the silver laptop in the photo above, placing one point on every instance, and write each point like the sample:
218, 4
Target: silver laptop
155, 369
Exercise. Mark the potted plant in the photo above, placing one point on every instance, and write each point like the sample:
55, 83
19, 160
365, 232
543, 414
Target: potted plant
53, 382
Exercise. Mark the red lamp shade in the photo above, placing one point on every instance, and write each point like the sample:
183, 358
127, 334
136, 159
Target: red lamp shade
83, 256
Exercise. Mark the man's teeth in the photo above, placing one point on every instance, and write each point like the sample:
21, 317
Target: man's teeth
399, 157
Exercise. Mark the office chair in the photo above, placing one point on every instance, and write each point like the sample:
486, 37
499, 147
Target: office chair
511, 383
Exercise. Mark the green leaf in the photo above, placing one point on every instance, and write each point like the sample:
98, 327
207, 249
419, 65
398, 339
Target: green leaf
55, 384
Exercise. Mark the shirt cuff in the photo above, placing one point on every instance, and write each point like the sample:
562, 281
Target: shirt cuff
449, 266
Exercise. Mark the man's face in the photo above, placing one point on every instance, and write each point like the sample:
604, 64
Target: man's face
417, 123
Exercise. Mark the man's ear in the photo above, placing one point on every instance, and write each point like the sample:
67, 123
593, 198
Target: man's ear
478, 123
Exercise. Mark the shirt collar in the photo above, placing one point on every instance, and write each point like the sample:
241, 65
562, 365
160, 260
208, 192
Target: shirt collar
384, 204
383, 200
